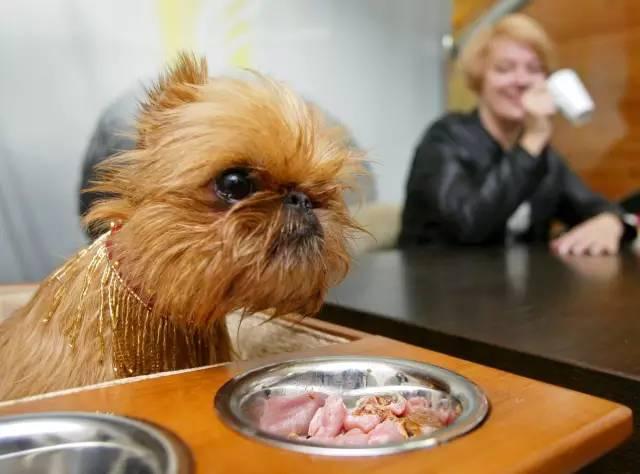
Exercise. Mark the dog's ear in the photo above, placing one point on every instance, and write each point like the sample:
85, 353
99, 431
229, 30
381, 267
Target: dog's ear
176, 87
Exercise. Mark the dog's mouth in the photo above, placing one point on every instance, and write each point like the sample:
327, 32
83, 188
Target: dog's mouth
300, 233
301, 226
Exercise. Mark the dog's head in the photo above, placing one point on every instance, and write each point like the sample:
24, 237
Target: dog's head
232, 198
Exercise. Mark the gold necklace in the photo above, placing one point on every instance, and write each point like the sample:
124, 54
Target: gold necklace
142, 342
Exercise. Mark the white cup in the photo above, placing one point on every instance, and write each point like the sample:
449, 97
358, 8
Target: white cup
570, 96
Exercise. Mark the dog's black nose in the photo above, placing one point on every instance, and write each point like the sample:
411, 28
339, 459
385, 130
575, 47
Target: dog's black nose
298, 200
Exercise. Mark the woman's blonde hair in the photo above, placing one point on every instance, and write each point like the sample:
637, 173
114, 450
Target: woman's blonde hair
516, 27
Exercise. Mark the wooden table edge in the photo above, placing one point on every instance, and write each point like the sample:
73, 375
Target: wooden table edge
590, 439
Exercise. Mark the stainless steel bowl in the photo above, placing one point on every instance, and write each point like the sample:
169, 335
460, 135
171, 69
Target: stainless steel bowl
75, 443
238, 400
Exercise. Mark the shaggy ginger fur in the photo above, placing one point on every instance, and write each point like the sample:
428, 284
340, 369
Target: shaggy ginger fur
232, 200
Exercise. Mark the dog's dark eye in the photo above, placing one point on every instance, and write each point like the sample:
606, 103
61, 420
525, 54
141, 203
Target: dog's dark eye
234, 185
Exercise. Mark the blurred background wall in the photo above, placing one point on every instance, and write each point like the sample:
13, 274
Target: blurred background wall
376, 66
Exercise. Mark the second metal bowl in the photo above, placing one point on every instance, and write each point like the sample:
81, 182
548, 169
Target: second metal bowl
76, 442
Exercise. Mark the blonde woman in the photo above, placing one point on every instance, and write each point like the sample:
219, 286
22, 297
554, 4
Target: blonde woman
491, 176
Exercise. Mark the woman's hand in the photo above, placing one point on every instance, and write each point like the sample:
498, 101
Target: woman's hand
539, 107
599, 235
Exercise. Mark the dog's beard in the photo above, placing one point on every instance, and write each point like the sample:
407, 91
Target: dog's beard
301, 236
293, 263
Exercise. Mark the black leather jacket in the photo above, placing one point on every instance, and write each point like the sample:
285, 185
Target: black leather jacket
463, 187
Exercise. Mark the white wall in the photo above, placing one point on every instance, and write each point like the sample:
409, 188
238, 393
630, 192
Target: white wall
373, 64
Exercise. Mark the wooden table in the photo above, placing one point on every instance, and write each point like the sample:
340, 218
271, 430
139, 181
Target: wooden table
573, 322
532, 426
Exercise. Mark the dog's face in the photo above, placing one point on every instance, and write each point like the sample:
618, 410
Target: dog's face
233, 199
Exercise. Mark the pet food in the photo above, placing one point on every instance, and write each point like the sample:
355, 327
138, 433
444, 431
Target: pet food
374, 420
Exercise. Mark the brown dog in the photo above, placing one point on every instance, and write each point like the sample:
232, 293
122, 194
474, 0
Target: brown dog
231, 200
